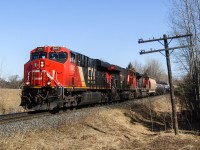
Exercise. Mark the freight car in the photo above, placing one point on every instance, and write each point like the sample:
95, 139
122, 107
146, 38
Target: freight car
59, 77
161, 88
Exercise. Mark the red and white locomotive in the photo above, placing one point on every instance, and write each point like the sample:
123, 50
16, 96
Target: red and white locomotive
58, 77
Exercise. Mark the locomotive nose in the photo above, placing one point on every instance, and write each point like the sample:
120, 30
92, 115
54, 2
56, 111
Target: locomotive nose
38, 73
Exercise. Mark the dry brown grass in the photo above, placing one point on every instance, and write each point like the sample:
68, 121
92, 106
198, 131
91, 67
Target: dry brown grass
9, 101
115, 128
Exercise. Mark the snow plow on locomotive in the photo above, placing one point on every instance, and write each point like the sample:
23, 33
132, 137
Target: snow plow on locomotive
58, 77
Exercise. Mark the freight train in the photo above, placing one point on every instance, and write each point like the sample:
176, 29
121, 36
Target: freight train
57, 77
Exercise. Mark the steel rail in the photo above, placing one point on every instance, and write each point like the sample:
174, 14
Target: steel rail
7, 118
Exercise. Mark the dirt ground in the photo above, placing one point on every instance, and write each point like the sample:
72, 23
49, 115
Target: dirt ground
134, 126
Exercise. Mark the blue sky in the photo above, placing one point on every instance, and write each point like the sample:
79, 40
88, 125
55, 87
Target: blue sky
104, 29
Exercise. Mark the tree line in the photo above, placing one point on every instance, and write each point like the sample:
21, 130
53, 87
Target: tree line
13, 82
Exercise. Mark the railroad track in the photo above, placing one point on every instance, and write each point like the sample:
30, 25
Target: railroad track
8, 118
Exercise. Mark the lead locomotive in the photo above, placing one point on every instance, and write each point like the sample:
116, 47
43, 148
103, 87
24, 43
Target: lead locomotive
58, 77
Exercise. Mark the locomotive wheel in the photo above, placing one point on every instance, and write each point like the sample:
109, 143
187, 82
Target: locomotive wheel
106, 98
55, 110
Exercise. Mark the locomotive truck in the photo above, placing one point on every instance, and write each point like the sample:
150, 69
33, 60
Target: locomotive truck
57, 77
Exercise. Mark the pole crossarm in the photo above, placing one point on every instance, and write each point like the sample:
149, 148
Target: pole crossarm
160, 39
159, 50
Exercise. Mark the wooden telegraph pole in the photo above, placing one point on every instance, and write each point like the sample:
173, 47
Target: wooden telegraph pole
167, 55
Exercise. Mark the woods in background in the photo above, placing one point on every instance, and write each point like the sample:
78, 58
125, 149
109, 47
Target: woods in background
13, 82
185, 18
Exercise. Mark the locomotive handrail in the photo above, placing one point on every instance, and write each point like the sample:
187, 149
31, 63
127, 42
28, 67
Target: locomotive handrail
52, 78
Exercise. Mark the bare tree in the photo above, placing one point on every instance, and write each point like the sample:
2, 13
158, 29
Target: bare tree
185, 18
154, 69
1, 69
2, 80
137, 66
14, 81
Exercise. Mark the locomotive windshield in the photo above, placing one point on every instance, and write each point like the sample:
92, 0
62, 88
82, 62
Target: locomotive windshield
38, 55
58, 56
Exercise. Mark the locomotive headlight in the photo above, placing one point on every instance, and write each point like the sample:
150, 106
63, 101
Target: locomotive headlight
49, 83
42, 63
27, 83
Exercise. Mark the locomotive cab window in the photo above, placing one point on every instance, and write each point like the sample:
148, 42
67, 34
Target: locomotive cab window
58, 56
37, 55
84, 61
72, 57
78, 61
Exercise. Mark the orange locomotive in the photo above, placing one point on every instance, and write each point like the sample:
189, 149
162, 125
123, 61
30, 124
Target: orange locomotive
58, 77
